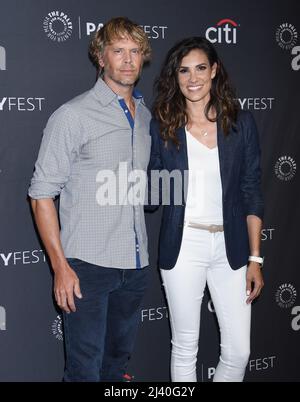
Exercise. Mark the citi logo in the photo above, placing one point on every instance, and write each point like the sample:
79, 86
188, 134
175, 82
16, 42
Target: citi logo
225, 31
2, 58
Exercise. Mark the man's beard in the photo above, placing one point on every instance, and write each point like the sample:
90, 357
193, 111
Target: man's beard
126, 82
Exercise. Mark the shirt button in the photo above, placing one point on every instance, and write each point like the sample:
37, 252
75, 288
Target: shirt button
126, 111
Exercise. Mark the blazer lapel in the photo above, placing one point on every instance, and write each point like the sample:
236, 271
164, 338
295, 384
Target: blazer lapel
182, 163
225, 147
181, 160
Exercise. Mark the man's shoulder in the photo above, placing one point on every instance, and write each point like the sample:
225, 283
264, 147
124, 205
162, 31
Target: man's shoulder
80, 101
75, 106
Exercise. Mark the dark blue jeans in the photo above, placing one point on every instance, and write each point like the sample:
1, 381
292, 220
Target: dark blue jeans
100, 335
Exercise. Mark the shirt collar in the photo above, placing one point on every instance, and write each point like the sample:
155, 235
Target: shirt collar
106, 95
137, 94
103, 93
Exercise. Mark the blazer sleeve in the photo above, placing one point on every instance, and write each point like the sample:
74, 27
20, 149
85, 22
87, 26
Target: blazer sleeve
154, 167
251, 171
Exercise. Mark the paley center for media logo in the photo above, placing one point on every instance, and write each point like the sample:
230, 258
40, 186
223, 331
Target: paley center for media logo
57, 328
285, 168
285, 297
2, 58
287, 37
59, 27
224, 31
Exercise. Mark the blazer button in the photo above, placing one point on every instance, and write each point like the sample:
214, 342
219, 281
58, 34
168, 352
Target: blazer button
180, 225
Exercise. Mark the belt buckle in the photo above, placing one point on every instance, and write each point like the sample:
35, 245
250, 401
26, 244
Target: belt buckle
213, 228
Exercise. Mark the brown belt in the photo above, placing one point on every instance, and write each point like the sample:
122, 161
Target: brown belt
210, 228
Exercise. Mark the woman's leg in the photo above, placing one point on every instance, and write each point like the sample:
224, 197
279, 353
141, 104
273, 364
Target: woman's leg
184, 286
228, 291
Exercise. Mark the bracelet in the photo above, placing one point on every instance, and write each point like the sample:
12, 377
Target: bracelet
260, 260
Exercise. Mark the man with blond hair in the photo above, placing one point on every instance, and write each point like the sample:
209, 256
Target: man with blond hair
99, 254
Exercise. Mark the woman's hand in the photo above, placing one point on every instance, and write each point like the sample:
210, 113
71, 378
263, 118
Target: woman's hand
254, 276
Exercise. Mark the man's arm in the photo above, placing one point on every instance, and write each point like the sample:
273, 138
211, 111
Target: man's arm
66, 281
59, 147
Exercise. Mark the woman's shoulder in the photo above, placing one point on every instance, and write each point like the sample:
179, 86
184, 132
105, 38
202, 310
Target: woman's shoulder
246, 124
245, 118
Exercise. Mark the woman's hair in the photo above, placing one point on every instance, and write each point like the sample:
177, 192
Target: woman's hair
170, 105
118, 28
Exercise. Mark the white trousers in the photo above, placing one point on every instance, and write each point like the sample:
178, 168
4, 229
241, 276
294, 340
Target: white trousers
202, 259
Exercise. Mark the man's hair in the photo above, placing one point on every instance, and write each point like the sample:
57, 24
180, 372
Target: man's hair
115, 29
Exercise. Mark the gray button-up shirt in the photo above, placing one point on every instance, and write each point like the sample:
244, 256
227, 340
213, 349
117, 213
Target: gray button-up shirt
83, 138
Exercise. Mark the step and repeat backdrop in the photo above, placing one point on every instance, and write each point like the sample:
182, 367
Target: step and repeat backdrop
43, 63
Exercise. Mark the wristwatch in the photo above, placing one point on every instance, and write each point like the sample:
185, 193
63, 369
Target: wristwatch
260, 260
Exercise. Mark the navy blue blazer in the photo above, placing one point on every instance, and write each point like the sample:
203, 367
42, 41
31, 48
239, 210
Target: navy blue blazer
239, 156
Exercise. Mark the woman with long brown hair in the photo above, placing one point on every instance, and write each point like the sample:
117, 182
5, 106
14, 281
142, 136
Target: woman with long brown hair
213, 236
